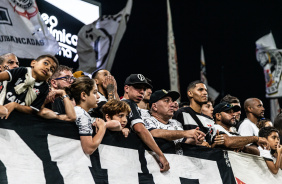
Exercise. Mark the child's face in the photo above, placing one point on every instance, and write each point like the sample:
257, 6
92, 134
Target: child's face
43, 69
273, 140
121, 117
92, 99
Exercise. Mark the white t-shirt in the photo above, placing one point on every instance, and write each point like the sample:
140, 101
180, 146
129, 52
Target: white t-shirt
248, 128
221, 129
266, 154
83, 121
152, 123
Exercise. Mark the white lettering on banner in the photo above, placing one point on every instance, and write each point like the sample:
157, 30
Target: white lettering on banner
73, 158
123, 164
67, 40
206, 171
22, 165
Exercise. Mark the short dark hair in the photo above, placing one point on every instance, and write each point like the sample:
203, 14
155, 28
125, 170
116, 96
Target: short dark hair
61, 68
210, 100
94, 75
114, 107
262, 122
230, 99
2, 57
81, 84
49, 56
193, 84
266, 131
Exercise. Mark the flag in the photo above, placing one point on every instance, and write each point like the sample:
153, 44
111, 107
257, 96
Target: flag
98, 42
38, 151
213, 94
270, 59
172, 57
23, 32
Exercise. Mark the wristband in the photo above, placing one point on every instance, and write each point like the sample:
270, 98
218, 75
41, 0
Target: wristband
64, 97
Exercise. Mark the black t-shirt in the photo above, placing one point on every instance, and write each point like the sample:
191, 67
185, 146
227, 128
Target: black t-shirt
59, 106
186, 116
135, 114
17, 76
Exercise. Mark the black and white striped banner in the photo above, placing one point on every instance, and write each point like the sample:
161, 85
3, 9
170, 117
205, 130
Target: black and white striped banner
35, 151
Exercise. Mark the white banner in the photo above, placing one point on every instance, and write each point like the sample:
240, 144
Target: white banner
270, 59
249, 169
172, 56
213, 94
22, 30
98, 42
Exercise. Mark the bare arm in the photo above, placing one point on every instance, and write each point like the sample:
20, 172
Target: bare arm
147, 138
274, 168
111, 86
113, 125
15, 106
238, 141
69, 108
89, 144
171, 135
4, 76
252, 149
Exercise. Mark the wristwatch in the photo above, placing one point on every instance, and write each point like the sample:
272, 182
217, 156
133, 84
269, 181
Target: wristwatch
65, 97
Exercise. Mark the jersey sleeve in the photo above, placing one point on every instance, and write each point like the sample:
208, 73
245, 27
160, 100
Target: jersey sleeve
149, 124
16, 73
134, 116
83, 123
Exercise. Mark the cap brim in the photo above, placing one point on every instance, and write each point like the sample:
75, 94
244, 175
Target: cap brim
235, 108
144, 83
173, 94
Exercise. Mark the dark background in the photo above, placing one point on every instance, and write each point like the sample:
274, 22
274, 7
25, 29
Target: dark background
226, 29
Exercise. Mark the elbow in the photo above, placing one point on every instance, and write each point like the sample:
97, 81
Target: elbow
89, 150
73, 117
139, 128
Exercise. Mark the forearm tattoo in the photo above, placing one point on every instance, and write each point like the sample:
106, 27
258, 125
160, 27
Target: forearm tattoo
110, 91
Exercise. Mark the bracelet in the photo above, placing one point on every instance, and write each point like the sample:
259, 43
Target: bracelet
65, 97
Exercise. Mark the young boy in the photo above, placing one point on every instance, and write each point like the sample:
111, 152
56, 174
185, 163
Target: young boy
25, 88
85, 93
274, 152
117, 110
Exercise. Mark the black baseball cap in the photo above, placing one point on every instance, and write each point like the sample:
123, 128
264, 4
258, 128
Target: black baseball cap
159, 94
137, 79
224, 106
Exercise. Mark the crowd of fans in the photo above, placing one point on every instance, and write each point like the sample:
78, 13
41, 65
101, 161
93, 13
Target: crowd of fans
51, 91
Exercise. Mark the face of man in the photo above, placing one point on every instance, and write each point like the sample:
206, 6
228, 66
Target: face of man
135, 92
257, 108
63, 82
238, 113
207, 109
228, 118
147, 94
199, 94
10, 62
101, 76
164, 107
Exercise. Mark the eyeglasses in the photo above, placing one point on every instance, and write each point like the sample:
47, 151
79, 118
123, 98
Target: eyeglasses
67, 78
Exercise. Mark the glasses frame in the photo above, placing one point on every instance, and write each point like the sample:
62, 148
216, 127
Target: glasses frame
66, 78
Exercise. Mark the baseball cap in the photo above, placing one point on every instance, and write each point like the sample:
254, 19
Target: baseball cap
137, 79
159, 94
224, 106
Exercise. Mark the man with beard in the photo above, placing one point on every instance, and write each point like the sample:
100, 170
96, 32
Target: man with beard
233, 101
107, 90
8, 61
254, 111
224, 115
134, 88
192, 117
